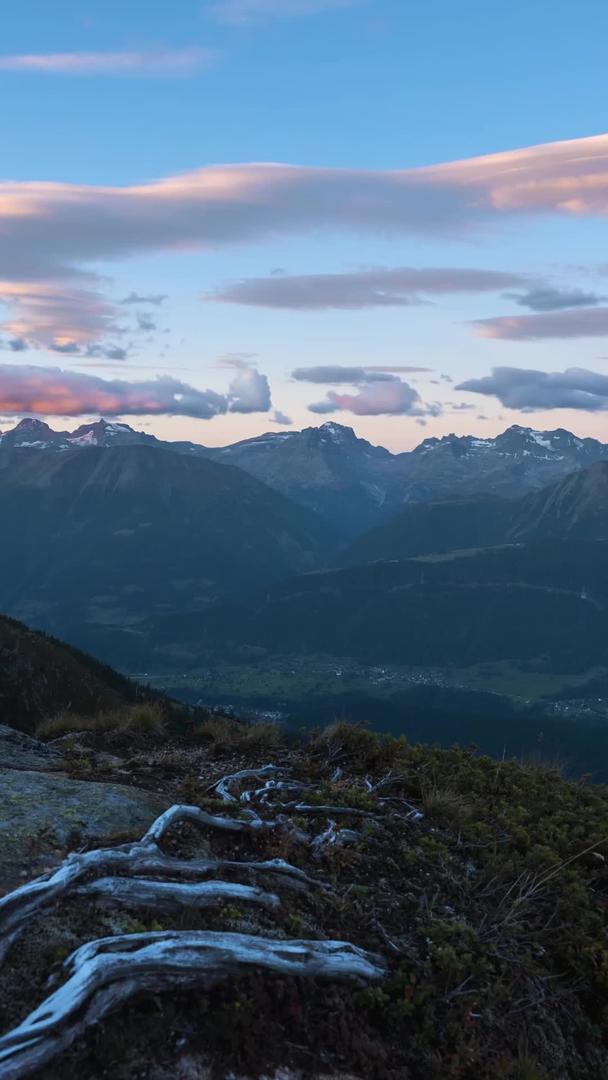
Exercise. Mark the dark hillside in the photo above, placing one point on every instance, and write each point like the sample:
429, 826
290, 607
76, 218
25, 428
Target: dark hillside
574, 508
40, 677
111, 535
546, 600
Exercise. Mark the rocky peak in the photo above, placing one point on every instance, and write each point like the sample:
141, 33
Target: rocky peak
336, 432
102, 427
30, 432
330, 434
29, 423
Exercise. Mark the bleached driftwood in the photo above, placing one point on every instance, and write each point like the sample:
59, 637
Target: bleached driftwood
388, 781
105, 973
144, 858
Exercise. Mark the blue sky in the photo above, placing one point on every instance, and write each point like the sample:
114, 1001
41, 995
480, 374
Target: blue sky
104, 101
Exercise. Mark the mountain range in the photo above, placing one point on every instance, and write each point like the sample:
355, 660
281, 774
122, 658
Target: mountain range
144, 551
348, 481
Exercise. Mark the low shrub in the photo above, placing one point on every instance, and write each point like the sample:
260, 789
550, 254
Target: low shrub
147, 717
356, 745
68, 723
441, 803
225, 735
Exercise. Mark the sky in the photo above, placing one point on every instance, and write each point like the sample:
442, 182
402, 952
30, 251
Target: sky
223, 217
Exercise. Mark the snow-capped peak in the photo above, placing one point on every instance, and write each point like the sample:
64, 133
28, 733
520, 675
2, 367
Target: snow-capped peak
338, 433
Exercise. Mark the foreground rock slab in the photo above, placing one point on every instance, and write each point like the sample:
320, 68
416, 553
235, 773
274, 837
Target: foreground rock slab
21, 751
44, 814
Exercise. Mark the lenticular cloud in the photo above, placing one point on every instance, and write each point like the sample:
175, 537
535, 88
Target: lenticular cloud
53, 232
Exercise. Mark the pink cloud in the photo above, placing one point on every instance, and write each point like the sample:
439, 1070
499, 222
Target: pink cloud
54, 392
569, 177
392, 398
55, 228
52, 232
575, 323
55, 316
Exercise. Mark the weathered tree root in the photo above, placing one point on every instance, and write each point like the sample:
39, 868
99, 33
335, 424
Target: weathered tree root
350, 811
271, 787
168, 896
102, 974
333, 837
105, 973
193, 814
142, 859
145, 860
222, 787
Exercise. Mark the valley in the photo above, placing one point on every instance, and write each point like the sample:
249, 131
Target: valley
501, 708
278, 680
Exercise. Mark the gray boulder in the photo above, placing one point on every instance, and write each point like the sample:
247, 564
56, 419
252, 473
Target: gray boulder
44, 816
21, 751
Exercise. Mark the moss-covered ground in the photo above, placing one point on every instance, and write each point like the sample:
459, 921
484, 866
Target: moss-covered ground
490, 913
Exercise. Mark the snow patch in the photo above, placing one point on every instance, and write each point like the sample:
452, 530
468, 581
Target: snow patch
87, 439
336, 432
540, 440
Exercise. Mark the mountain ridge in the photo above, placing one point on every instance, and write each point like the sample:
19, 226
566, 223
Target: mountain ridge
346, 479
539, 602
31, 431
575, 507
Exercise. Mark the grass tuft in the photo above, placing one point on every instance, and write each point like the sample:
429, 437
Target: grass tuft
145, 718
